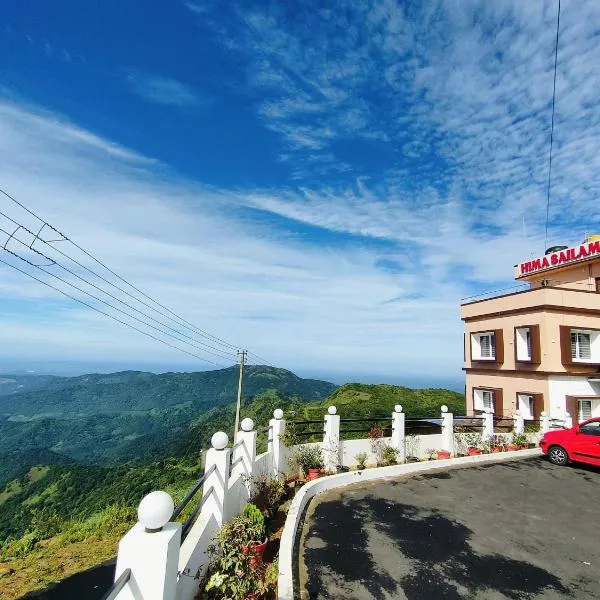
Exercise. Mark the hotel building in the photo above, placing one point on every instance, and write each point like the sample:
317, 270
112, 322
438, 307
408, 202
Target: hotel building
539, 349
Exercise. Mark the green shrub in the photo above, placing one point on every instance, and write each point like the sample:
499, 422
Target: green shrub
256, 518
361, 460
389, 455
308, 457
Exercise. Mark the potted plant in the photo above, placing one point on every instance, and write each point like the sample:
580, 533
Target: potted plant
310, 460
361, 460
235, 569
430, 453
474, 444
496, 443
443, 454
514, 442
257, 542
520, 441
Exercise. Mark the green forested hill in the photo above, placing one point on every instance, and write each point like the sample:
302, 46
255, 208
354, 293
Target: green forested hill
106, 419
132, 391
362, 399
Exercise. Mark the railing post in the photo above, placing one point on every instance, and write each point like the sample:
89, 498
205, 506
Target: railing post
151, 550
245, 453
218, 479
519, 423
544, 422
447, 430
398, 436
275, 446
568, 421
331, 440
488, 423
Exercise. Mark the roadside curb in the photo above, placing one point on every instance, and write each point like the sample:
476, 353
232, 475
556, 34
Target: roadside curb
311, 489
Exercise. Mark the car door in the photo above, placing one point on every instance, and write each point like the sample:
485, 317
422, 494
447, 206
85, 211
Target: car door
586, 443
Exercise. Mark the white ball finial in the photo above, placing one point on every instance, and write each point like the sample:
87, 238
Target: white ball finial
247, 424
444, 408
332, 410
278, 414
398, 408
544, 413
155, 510
219, 440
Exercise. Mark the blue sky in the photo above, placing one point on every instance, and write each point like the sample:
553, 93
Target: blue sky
320, 183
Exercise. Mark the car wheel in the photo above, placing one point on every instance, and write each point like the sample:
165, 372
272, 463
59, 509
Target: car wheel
558, 456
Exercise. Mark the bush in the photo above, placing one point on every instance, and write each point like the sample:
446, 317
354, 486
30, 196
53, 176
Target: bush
308, 457
389, 455
256, 518
265, 491
361, 460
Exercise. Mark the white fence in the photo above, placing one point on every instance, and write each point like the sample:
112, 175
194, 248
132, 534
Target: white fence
161, 560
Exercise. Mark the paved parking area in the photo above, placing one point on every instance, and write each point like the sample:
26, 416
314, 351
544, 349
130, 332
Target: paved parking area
521, 529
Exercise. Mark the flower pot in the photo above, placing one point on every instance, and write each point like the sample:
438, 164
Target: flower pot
442, 454
473, 451
496, 448
256, 552
411, 459
511, 448
313, 474
523, 446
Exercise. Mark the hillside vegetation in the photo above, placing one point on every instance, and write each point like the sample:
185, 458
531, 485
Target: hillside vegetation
108, 419
57, 519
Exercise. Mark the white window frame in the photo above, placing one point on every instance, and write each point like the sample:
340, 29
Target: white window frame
576, 345
483, 399
525, 406
476, 345
523, 342
581, 416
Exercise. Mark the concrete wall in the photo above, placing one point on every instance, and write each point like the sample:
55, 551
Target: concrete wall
560, 387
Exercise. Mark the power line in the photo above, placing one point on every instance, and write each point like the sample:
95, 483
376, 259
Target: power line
104, 302
171, 315
109, 315
552, 126
203, 346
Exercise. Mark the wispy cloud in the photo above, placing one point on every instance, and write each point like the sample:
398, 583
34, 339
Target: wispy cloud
162, 90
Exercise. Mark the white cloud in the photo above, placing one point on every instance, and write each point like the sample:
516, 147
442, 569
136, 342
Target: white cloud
298, 304
162, 90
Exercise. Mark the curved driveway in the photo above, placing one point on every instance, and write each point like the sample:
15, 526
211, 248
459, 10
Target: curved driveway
516, 530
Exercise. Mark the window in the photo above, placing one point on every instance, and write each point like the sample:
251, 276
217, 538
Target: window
581, 345
488, 349
483, 346
585, 410
525, 406
592, 428
483, 400
488, 400
528, 342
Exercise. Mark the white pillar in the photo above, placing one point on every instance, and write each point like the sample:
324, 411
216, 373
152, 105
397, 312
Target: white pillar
519, 422
275, 446
568, 421
544, 422
218, 480
331, 440
398, 432
488, 423
151, 550
447, 430
245, 453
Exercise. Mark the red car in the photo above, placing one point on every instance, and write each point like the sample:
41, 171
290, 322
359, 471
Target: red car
579, 444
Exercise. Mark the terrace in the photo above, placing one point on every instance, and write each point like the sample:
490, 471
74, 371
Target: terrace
162, 559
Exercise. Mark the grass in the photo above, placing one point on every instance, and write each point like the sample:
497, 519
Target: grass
12, 489
37, 473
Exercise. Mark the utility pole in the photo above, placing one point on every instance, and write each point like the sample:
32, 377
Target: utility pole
242, 355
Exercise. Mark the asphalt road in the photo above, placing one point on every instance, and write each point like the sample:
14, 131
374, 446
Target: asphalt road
518, 530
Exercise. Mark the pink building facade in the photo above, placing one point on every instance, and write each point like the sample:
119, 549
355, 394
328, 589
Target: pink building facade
538, 349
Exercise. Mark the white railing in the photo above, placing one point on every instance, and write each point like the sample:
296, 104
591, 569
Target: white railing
157, 561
